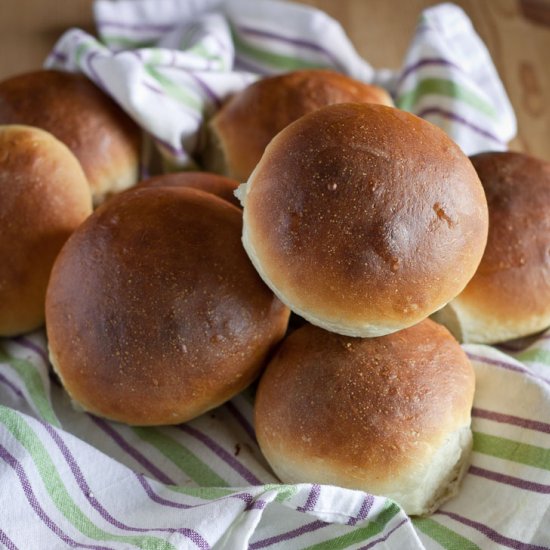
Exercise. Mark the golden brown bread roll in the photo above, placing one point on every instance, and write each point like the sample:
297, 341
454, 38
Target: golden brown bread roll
44, 196
364, 219
509, 296
154, 313
239, 133
100, 134
388, 415
205, 181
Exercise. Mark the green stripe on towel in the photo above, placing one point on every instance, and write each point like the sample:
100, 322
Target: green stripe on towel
535, 356
276, 60
182, 457
449, 539
58, 492
126, 42
284, 492
203, 493
448, 88
34, 385
374, 527
173, 90
508, 449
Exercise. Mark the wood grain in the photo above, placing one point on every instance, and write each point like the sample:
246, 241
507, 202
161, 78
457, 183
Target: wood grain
30, 28
381, 30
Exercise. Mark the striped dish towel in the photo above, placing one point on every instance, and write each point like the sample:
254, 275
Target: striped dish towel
170, 64
69, 479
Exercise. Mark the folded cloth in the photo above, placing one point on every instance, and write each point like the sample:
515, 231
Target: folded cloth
170, 64
77, 480
70, 479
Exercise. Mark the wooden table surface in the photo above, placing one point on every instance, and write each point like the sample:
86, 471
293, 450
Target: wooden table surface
517, 33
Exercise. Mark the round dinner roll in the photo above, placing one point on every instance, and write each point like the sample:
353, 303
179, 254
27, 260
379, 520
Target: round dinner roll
364, 219
154, 313
388, 415
211, 183
44, 197
509, 296
239, 133
100, 134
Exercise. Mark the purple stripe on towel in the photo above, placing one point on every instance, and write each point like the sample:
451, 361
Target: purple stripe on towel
288, 40
11, 386
204, 87
228, 458
95, 75
33, 501
131, 450
249, 66
312, 499
506, 365
175, 151
29, 344
214, 98
364, 510
145, 27
491, 534
153, 88
510, 480
84, 487
59, 56
457, 118
158, 499
135, 53
5, 540
251, 502
256, 505
386, 536
514, 420
288, 535
425, 62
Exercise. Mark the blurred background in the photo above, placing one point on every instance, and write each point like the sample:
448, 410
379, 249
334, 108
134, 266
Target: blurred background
517, 33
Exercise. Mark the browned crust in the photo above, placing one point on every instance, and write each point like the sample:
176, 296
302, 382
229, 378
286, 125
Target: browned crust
99, 133
154, 313
212, 183
44, 196
365, 218
510, 292
250, 119
374, 409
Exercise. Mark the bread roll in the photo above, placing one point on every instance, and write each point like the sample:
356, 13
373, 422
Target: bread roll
44, 196
239, 133
388, 415
364, 219
99, 133
154, 313
509, 296
212, 183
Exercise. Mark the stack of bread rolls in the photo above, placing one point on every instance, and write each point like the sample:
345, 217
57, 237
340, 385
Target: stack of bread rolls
169, 299
64, 146
364, 220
